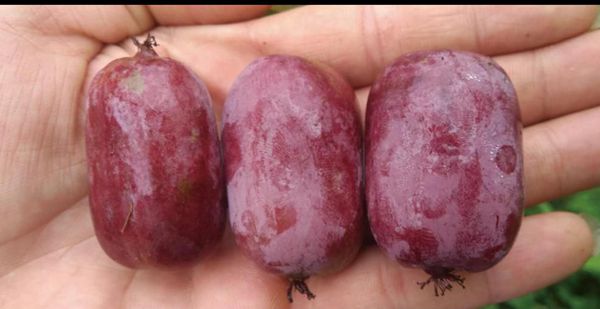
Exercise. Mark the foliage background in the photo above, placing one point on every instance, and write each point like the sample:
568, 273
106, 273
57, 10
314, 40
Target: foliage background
580, 290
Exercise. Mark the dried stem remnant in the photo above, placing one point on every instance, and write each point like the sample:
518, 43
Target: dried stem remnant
300, 286
443, 282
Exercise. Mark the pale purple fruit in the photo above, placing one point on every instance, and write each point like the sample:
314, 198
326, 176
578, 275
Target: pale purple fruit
444, 164
292, 148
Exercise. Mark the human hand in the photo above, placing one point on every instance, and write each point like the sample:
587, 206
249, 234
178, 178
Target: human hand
50, 258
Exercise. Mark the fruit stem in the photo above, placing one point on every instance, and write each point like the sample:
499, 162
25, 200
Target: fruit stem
146, 48
442, 281
300, 286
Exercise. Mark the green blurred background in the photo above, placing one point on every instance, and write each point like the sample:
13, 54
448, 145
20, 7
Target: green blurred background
581, 290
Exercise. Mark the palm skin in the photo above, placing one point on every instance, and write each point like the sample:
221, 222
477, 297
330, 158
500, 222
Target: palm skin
50, 258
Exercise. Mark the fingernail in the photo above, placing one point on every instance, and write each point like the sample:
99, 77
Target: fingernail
595, 228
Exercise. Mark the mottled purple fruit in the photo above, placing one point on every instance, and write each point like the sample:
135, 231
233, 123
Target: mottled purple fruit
292, 149
444, 163
154, 162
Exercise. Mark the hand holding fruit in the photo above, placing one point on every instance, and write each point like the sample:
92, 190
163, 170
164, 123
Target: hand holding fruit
50, 257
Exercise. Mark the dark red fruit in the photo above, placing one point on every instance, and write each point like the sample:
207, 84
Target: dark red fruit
154, 163
292, 148
444, 164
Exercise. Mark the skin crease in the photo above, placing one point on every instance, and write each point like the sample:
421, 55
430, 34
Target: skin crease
50, 259
444, 130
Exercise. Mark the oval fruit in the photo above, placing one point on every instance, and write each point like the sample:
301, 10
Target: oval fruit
444, 163
292, 149
154, 163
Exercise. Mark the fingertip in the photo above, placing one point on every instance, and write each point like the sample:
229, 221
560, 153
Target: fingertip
594, 226
549, 247
596, 24
574, 19
582, 15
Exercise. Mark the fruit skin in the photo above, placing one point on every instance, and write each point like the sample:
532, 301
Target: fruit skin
444, 165
154, 162
292, 148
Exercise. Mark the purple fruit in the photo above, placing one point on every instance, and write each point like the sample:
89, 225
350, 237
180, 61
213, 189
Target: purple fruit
292, 148
444, 163
154, 163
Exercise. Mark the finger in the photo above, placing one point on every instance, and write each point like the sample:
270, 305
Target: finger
561, 156
565, 237
556, 80
548, 248
177, 15
359, 40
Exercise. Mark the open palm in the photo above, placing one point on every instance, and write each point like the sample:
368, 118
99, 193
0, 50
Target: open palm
50, 258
